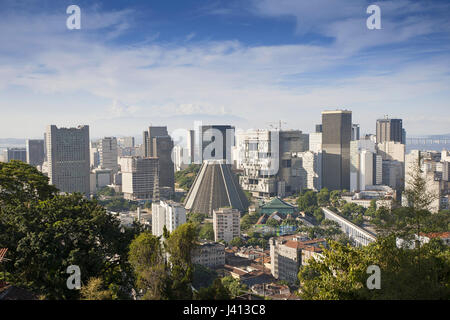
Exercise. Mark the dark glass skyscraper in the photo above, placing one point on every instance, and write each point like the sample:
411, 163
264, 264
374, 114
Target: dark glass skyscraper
336, 137
389, 130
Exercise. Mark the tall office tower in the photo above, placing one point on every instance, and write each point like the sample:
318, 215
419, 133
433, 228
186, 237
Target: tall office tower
403, 136
355, 132
68, 158
214, 187
35, 152
289, 175
389, 130
162, 148
268, 160
16, 154
311, 169
148, 138
226, 224
215, 143
169, 214
107, 150
158, 143
315, 141
139, 177
337, 132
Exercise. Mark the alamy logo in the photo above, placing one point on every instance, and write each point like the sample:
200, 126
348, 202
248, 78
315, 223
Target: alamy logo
374, 21
74, 280
74, 20
374, 281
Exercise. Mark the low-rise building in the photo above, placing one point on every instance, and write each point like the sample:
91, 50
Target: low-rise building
209, 254
289, 253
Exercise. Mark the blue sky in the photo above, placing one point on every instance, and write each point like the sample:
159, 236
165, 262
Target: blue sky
247, 62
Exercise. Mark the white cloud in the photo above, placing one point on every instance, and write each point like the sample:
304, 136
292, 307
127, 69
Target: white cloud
255, 84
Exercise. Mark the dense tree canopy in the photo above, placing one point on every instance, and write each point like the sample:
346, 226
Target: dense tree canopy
342, 272
46, 232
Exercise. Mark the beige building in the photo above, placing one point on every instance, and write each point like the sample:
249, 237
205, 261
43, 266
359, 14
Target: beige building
209, 254
227, 224
430, 164
289, 253
139, 177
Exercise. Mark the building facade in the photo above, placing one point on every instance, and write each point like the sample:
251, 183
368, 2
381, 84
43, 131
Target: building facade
108, 153
139, 178
337, 132
68, 158
389, 130
169, 214
35, 152
209, 254
226, 224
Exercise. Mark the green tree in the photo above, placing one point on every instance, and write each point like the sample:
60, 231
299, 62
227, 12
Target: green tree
46, 237
319, 215
106, 191
271, 222
237, 242
95, 290
217, 291
307, 201
341, 273
234, 286
21, 183
152, 274
206, 232
180, 245
323, 197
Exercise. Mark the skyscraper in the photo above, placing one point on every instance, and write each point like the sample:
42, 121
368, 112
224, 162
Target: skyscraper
158, 143
139, 178
337, 133
389, 130
35, 152
68, 158
107, 150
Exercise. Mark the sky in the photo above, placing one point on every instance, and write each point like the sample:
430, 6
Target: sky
249, 63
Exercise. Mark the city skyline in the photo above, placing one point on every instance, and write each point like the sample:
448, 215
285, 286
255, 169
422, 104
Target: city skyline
243, 63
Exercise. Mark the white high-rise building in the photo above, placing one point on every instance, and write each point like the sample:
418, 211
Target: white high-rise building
169, 214
365, 169
68, 158
311, 169
269, 162
315, 141
107, 150
226, 224
139, 177
363, 164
